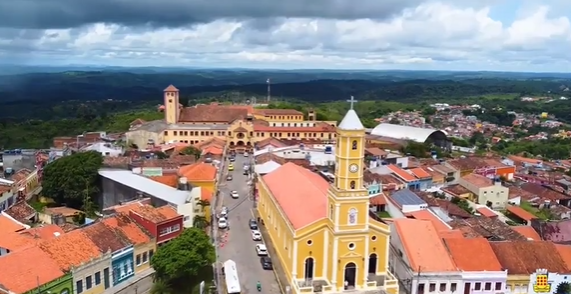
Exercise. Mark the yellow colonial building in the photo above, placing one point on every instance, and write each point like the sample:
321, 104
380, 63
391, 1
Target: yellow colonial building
240, 126
323, 233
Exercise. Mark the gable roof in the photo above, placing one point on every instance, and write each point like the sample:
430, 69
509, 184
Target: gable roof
130, 229
28, 238
473, 254
198, 172
423, 246
106, 238
24, 270
70, 249
524, 257
291, 184
9, 225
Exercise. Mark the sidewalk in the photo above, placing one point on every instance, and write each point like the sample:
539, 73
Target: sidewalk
279, 271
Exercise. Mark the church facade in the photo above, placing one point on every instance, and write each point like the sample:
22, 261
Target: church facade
240, 126
323, 233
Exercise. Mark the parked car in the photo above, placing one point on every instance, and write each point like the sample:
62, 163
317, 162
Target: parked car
256, 235
232, 159
245, 173
253, 224
266, 262
261, 250
234, 194
229, 178
246, 154
222, 223
224, 212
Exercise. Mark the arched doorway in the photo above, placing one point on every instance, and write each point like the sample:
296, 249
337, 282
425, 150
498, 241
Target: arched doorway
350, 274
240, 143
373, 263
308, 269
231, 144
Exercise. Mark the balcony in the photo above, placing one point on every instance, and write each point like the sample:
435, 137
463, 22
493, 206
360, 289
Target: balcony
313, 286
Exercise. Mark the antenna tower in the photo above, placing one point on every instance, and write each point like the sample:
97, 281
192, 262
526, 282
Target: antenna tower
269, 90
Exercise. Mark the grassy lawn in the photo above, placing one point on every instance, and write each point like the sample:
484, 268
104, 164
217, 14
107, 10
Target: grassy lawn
543, 214
384, 214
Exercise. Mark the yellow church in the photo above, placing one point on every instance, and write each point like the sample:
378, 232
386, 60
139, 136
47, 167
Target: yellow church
325, 238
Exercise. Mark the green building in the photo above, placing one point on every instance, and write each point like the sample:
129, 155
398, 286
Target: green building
61, 285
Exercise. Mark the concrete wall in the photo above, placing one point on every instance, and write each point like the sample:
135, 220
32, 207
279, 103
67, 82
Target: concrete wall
112, 193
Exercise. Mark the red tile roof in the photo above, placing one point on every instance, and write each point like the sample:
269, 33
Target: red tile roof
401, 173
420, 173
484, 211
24, 270
309, 189
8, 225
474, 254
520, 212
70, 249
528, 232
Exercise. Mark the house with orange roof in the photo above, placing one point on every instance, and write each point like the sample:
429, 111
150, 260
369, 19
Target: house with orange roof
200, 174
489, 192
419, 255
480, 268
16, 241
111, 240
9, 225
424, 177
324, 231
76, 253
412, 182
144, 242
31, 270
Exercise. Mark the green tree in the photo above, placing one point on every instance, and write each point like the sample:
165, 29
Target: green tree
185, 261
191, 150
563, 288
72, 179
200, 222
160, 287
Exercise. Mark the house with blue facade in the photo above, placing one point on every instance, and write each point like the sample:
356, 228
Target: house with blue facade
424, 178
412, 182
114, 241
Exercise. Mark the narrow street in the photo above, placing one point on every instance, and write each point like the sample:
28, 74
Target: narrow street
237, 243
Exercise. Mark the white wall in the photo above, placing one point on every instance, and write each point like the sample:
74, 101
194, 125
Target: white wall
497, 194
393, 210
411, 208
484, 277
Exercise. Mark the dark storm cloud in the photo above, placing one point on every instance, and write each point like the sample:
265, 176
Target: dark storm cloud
42, 14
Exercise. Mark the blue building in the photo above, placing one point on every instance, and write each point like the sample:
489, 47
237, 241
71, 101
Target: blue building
112, 240
374, 188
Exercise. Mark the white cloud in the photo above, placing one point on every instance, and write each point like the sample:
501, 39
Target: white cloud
431, 36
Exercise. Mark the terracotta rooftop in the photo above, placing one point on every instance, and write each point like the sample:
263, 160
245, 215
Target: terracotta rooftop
528, 232
212, 114
171, 88
456, 190
489, 228
378, 200
211, 142
30, 237
543, 192
290, 185
423, 246
170, 180
375, 151
473, 254
524, 257
70, 249
420, 173
515, 191
277, 112
400, 173
21, 212
427, 215
206, 195
148, 212
270, 142
478, 180
213, 150
65, 211
106, 238
198, 172
24, 270
470, 163
520, 212
135, 233
21, 175
8, 225
565, 253
318, 127
452, 209
485, 211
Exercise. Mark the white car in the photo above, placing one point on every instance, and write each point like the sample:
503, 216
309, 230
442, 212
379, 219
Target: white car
234, 194
256, 235
246, 154
222, 223
261, 250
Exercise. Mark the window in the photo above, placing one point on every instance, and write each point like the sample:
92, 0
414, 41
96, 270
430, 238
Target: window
432, 287
453, 287
88, 283
79, 286
97, 278
352, 184
442, 287
151, 252
374, 238
420, 288
145, 259
138, 259
488, 286
169, 230
351, 246
354, 145
499, 286
477, 286
309, 242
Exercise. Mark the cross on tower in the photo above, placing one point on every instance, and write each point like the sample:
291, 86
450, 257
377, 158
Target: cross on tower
352, 101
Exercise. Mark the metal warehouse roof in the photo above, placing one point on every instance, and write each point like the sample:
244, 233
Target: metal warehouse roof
404, 132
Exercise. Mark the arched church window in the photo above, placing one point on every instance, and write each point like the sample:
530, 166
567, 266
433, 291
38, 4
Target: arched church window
352, 184
352, 216
354, 145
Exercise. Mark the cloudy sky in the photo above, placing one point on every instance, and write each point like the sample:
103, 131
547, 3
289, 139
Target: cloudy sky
506, 35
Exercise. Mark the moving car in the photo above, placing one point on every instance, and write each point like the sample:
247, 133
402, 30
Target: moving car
229, 178
261, 250
230, 167
266, 262
245, 173
234, 194
222, 223
246, 154
232, 159
224, 212
256, 235
253, 224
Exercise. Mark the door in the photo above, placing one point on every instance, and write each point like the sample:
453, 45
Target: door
350, 274
106, 278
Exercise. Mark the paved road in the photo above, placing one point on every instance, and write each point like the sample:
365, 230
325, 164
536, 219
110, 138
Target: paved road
238, 245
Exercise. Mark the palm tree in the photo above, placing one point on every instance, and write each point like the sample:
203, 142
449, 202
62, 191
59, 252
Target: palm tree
203, 204
200, 222
160, 287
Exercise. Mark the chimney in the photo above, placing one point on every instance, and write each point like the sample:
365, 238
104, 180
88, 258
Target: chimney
183, 184
311, 115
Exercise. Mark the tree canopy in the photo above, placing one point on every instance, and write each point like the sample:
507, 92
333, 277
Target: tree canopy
185, 261
72, 179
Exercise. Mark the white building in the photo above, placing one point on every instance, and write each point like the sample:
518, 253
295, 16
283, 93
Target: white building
106, 149
420, 259
488, 191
